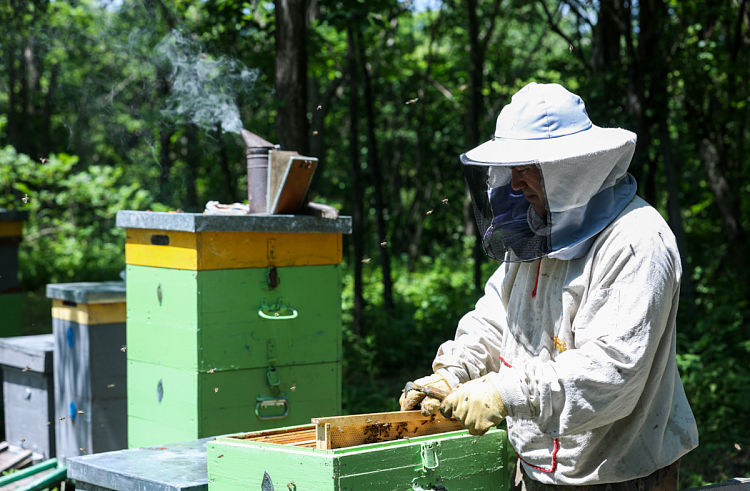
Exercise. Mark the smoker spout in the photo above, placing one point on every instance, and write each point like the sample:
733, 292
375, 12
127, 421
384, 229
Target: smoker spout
257, 171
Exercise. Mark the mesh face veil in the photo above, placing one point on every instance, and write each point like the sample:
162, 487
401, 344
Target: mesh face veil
505, 218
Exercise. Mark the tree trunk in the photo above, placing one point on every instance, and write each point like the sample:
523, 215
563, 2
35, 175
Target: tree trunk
292, 126
373, 163
354, 156
476, 56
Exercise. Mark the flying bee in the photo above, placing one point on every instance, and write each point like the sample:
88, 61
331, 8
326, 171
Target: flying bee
315, 132
570, 48
25, 198
212, 370
383, 244
319, 107
429, 212
220, 456
80, 412
366, 260
123, 349
110, 386
203, 55
26, 369
62, 418
293, 387
412, 101
445, 201
216, 389
82, 449
43, 160
23, 440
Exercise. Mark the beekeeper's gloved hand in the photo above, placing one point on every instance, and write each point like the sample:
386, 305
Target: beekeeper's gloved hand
428, 405
476, 405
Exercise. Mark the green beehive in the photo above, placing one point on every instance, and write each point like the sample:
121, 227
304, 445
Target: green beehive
284, 459
11, 305
233, 322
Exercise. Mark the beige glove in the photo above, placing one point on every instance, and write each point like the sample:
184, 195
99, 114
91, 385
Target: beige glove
428, 405
476, 405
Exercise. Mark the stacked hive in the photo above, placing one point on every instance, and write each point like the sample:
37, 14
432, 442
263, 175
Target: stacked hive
11, 232
233, 323
88, 322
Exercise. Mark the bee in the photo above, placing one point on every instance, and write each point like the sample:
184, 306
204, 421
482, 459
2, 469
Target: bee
123, 349
366, 260
315, 132
80, 412
429, 212
212, 370
412, 101
110, 386
203, 55
736, 445
25, 198
23, 440
43, 160
293, 387
62, 418
47, 423
82, 449
369, 420
319, 107
445, 201
571, 48
26, 369
340, 430
383, 244
216, 389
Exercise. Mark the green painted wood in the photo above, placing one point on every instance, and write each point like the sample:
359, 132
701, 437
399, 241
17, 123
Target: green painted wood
179, 293
227, 333
192, 407
11, 306
235, 467
464, 462
317, 392
161, 344
176, 413
147, 433
29, 471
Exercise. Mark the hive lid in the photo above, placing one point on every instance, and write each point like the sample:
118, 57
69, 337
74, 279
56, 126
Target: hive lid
88, 292
198, 222
171, 467
7, 215
32, 353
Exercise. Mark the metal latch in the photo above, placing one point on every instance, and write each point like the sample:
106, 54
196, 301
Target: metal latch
429, 455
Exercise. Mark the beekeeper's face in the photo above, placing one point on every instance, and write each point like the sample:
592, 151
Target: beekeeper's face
528, 179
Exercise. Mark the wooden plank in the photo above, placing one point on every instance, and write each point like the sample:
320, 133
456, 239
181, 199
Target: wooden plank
362, 429
180, 253
167, 297
91, 314
14, 459
234, 250
11, 228
230, 250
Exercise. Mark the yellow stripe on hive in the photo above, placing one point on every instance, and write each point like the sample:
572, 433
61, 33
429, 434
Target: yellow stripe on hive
89, 314
180, 253
230, 250
11, 229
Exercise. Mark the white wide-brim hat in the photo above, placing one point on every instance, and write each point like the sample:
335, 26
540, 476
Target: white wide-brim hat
546, 123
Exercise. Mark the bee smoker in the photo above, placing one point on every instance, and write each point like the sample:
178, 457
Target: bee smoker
257, 171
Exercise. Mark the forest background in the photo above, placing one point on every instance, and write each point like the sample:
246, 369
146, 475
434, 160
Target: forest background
136, 104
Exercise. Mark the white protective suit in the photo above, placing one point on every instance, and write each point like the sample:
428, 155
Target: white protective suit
590, 358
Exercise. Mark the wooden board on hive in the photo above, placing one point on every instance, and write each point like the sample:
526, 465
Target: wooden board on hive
361, 429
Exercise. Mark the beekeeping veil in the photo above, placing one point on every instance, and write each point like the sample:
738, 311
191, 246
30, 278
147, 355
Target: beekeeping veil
583, 176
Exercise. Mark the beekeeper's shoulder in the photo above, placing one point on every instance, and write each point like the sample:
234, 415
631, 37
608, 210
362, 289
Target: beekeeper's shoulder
641, 229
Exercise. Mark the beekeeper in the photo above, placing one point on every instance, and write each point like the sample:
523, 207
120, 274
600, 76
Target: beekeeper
574, 339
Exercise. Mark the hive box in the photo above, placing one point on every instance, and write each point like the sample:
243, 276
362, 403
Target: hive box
88, 323
11, 306
28, 394
453, 461
233, 322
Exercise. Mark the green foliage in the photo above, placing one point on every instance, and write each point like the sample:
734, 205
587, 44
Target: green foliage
70, 234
